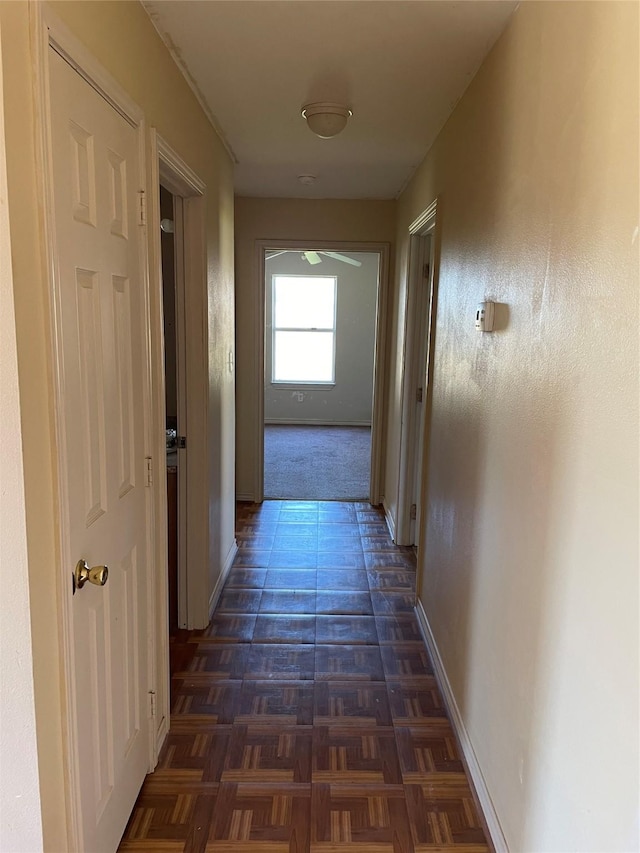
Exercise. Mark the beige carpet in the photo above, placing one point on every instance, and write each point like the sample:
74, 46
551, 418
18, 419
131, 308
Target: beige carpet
319, 463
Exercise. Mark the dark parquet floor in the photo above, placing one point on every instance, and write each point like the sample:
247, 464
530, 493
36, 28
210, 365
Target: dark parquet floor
306, 717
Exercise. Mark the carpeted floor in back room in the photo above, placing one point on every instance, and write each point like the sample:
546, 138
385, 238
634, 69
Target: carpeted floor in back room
318, 463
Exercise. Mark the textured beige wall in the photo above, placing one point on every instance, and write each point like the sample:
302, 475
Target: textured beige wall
285, 219
530, 569
122, 38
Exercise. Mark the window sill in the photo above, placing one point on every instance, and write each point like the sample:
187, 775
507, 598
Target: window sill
301, 385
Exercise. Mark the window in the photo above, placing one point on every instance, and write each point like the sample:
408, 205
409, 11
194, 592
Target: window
304, 329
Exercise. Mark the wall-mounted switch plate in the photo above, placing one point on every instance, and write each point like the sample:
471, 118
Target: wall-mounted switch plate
484, 316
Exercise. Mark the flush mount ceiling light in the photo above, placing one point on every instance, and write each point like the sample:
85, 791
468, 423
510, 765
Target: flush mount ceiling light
326, 119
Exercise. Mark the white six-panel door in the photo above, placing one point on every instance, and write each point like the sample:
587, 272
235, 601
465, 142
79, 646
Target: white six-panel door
101, 344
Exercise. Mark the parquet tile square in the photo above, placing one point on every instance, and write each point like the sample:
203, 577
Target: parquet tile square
251, 559
397, 559
341, 560
279, 559
343, 703
346, 579
239, 601
169, 822
291, 579
200, 756
349, 756
444, 819
246, 578
342, 602
204, 702
415, 702
282, 703
346, 629
428, 754
228, 628
262, 818
288, 542
306, 718
255, 541
341, 543
367, 818
260, 752
405, 660
297, 528
398, 629
288, 601
279, 661
392, 603
392, 580
285, 629
340, 663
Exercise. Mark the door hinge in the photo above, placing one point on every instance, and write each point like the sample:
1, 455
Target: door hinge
426, 270
142, 208
148, 460
413, 512
419, 395
152, 703
181, 442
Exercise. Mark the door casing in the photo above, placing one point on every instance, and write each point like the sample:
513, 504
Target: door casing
417, 372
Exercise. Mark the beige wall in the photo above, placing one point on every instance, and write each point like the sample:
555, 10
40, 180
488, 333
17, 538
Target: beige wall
530, 566
122, 38
285, 219
21, 822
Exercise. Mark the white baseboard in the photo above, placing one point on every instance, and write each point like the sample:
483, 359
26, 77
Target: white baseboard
247, 498
471, 761
389, 519
217, 590
312, 422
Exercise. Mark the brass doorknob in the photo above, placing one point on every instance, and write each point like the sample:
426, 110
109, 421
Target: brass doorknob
97, 575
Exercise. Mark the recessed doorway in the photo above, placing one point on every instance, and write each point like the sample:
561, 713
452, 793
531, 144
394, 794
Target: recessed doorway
320, 310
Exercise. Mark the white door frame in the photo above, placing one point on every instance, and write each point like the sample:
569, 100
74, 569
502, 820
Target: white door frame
170, 170
380, 355
50, 33
415, 373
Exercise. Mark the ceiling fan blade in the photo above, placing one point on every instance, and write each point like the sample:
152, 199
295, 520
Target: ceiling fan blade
313, 257
275, 255
343, 258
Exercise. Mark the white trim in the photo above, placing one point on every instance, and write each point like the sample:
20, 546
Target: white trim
388, 517
190, 191
312, 422
48, 32
413, 343
380, 354
217, 590
245, 498
472, 764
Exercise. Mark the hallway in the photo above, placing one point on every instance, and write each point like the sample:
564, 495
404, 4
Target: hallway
306, 717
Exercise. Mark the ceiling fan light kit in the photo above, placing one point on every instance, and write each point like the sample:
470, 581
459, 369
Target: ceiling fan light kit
326, 119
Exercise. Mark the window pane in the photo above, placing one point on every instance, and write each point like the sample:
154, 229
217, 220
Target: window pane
303, 357
303, 302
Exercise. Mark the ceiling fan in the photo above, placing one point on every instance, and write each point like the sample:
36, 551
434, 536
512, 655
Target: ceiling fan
314, 257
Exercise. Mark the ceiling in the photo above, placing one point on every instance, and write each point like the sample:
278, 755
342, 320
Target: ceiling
401, 65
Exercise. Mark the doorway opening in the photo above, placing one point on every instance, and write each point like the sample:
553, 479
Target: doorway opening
171, 242
320, 420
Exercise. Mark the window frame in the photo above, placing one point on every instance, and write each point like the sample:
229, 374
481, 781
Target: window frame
274, 329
